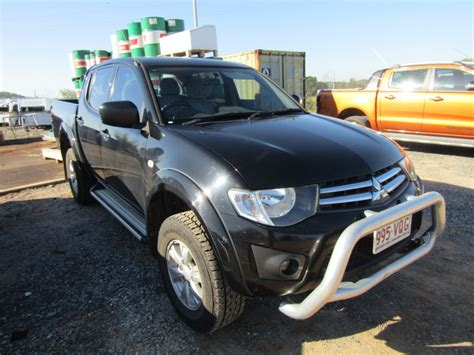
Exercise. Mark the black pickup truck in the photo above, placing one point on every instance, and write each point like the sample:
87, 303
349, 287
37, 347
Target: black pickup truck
237, 190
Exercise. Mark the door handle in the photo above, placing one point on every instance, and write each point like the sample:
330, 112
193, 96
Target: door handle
80, 120
105, 133
436, 98
390, 97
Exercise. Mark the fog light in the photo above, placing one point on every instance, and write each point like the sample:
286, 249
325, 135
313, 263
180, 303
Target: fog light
277, 265
289, 266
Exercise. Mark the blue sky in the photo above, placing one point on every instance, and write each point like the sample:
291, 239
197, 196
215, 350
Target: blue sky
342, 39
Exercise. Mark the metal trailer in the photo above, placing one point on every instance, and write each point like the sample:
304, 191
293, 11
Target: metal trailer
286, 68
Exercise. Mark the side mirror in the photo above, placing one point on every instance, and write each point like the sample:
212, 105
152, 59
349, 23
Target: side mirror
298, 99
470, 86
119, 114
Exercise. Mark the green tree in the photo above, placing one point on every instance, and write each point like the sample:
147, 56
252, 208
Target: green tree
312, 86
10, 95
67, 94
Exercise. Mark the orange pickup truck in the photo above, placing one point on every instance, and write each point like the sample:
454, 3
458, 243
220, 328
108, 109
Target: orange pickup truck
427, 103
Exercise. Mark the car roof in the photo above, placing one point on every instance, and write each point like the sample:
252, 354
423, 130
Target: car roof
178, 61
428, 64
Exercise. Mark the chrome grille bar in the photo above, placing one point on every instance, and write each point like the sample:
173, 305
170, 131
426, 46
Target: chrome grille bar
347, 187
366, 191
346, 199
388, 175
392, 185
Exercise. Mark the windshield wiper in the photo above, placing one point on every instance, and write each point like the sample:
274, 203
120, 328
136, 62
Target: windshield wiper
263, 114
211, 118
240, 114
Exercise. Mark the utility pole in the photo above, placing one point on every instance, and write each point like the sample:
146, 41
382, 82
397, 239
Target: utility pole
195, 14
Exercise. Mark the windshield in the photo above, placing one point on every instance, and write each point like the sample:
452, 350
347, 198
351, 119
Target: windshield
198, 94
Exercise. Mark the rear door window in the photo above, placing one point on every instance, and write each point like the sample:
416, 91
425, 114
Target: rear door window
99, 88
452, 80
374, 80
410, 80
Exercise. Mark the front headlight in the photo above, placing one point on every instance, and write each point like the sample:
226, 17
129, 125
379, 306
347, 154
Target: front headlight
409, 168
275, 207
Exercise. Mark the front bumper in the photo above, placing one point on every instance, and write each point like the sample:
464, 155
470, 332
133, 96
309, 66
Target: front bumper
333, 289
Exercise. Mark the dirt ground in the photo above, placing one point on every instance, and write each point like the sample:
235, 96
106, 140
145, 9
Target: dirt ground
21, 163
73, 279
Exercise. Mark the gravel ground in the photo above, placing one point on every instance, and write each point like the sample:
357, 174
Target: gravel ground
73, 279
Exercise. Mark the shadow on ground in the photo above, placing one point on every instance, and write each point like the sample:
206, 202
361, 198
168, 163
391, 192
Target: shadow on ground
72, 279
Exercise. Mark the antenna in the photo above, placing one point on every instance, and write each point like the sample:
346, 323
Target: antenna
379, 56
196, 25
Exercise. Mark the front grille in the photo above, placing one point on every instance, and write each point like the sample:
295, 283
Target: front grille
363, 190
362, 255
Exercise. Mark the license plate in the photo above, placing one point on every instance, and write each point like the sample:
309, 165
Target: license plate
391, 234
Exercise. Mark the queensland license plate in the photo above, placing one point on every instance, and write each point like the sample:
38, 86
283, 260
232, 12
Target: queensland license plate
391, 234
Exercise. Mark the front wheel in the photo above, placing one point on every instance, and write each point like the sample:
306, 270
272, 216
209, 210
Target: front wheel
192, 276
360, 120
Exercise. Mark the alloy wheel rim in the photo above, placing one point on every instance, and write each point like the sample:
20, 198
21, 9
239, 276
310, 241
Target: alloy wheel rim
184, 274
72, 176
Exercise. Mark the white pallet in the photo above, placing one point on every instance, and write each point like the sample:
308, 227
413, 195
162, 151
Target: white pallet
201, 39
52, 153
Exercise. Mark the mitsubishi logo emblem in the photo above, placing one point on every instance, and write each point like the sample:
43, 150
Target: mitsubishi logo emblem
378, 192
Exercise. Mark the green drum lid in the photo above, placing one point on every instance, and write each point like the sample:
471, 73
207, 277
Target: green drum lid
174, 25
80, 53
101, 56
79, 58
122, 35
134, 29
102, 53
153, 23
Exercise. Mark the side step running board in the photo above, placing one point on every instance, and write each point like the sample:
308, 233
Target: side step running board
129, 217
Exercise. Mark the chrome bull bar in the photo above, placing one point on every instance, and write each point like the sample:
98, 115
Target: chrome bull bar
333, 289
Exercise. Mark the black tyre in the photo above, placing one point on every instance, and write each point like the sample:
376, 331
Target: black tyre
192, 276
360, 120
79, 182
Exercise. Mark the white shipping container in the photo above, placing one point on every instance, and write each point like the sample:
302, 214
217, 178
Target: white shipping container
286, 68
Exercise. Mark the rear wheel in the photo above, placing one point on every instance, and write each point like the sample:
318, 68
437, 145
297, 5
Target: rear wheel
360, 120
192, 276
79, 182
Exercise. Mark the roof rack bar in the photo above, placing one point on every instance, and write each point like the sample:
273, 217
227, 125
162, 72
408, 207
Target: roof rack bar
467, 64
